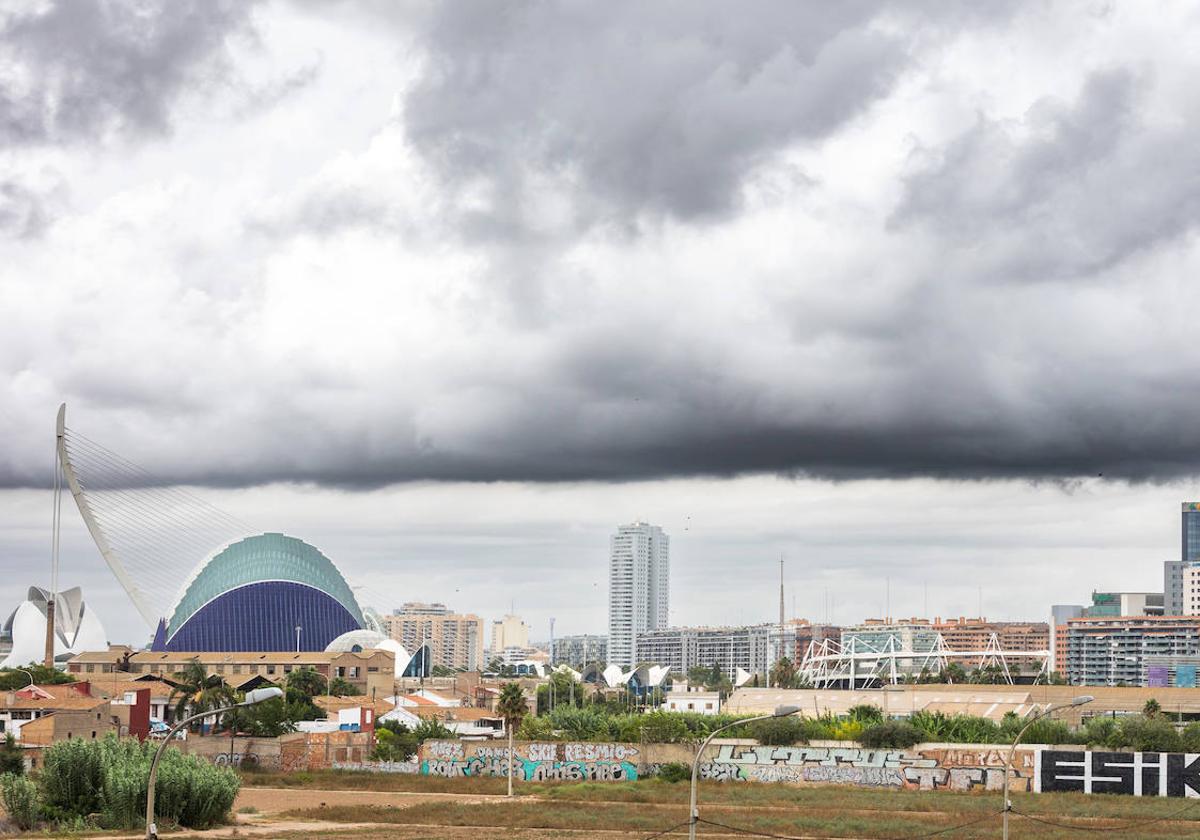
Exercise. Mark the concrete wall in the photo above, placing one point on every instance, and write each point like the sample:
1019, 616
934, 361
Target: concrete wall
294, 752
925, 767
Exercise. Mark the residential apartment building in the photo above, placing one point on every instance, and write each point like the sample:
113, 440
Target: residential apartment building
979, 634
366, 670
455, 641
421, 608
807, 634
728, 648
1116, 650
578, 651
509, 632
638, 588
1059, 615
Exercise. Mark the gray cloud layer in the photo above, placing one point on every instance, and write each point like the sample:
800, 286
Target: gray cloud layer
619, 241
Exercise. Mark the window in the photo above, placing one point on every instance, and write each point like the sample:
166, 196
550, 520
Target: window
270, 669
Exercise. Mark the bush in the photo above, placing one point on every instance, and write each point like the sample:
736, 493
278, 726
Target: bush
1191, 737
1146, 734
11, 758
891, 734
21, 798
779, 731
535, 729
1097, 731
110, 776
866, 713
674, 771
394, 742
432, 729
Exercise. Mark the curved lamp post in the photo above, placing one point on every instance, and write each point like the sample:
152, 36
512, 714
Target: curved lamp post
694, 813
28, 674
1081, 700
258, 695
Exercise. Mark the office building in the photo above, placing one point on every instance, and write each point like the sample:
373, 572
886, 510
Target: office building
727, 648
638, 588
1189, 555
578, 651
1108, 604
1116, 650
509, 632
455, 641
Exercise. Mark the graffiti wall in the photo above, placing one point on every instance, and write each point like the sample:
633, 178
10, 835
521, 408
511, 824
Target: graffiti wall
1132, 773
532, 761
922, 768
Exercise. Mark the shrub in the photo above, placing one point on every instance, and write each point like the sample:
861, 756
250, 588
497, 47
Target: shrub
110, 776
779, 731
866, 713
21, 798
890, 734
1046, 731
674, 771
1144, 734
1191, 737
394, 743
1098, 731
535, 729
432, 729
11, 759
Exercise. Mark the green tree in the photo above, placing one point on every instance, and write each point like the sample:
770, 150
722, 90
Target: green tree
512, 708
339, 687
305, 681
394, 742
268, 719
953, 673
12, 758
14, 678
194, 690
1152, 708
783, 673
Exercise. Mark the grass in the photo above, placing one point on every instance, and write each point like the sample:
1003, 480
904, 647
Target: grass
819, 822
817, 811
366, 780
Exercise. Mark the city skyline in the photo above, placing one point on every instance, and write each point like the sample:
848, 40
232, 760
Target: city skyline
849, 284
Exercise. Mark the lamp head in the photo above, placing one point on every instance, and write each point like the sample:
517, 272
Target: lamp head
1082, 699
784, 711
258, 695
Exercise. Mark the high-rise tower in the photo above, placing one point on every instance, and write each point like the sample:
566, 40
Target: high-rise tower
639, 578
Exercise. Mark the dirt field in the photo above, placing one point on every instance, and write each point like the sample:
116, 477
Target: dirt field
639, 810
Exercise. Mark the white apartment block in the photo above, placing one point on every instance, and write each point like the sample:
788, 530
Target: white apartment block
639, 580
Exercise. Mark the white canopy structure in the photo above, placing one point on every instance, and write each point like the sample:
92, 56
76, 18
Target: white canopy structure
76, 628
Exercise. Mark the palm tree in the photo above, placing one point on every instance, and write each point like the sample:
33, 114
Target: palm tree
195, 689
512, 707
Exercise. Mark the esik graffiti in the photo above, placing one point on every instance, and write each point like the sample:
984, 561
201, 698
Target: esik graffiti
1133, 773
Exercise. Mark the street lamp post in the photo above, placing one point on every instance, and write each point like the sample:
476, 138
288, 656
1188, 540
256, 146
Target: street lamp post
298, 629
258, 695
694, 812
26, 673
1076, 701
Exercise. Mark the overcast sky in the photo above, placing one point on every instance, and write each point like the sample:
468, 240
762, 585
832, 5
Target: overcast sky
897, 290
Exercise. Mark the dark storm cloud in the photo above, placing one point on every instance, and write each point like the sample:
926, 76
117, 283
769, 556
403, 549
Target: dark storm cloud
655, 107
88, 70
851, 326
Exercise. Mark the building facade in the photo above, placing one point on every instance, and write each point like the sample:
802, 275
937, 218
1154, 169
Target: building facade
1116, 650
639, 581
1059, 615
507, 632
727, 648
578, 651
455, 641
268, 592
366, 670
1189, 555
807, 634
